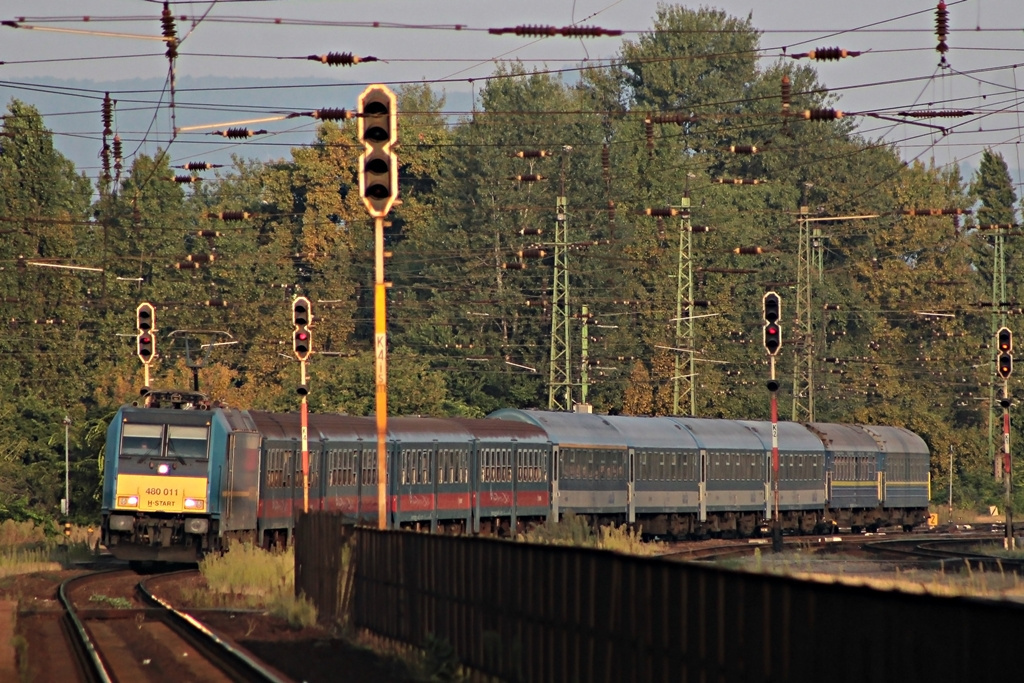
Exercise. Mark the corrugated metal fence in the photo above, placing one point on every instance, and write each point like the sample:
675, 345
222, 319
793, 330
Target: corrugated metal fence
544, 613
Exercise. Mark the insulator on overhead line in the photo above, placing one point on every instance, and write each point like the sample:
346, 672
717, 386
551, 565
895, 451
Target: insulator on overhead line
941, 28
739, 181
700, 228
207, 233
532, 154
699, 303
531, 252
217, 303
116, 149
627, 302
821, 114
660, 212
198, 166
611, 210
743, 149
649, 133
678, 119
936, 113
107, 114
825, 54
332, 114
549, 31
167, 22
606, 156
185, 179
528, 177
996, 226
201, 258
105, 157
340, 59
230, 216
748, 250
831, 307
543, 303
933, 212
531, 231
513, 266
189, 265
787, 94
238, 133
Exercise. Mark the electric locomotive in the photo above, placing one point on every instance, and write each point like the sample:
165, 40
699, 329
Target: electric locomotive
178, 478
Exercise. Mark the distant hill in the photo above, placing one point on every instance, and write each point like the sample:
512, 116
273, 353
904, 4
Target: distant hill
71, 109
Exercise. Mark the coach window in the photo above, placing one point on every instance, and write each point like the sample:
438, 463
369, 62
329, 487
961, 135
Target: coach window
314, 468
287, 469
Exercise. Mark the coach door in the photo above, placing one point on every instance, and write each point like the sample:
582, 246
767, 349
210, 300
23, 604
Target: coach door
555, 473
702, 487
241, 492
630, 493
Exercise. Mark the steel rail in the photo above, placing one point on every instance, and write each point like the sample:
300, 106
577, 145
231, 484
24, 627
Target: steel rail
81, 640
241, 665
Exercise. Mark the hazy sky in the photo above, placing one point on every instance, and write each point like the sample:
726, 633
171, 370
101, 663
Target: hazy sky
897, 38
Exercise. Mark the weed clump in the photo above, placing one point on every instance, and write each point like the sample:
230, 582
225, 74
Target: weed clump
249, 577
574, 530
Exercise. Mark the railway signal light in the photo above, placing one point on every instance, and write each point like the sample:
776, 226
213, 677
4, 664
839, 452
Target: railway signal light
772, 338
302, 338
145, 317
771, 305
772, 310
1005, 337
1005, 365
145, 342
378, 164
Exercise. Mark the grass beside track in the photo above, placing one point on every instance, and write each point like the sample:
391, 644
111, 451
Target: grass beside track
249, 577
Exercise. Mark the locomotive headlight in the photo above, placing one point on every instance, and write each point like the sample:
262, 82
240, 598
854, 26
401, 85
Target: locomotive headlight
163, 469
195, 504
128, 501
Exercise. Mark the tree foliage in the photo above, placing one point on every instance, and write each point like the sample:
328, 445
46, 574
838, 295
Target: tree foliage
897, 300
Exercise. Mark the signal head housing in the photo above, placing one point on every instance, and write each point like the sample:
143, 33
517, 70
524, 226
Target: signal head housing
378, 164
1005, 339
771, 306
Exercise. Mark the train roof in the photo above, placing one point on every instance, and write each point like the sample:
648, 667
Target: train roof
847, 438
652, 432
415, 428
567, 429
793, 436
326, 426
896, 439
720, 434
502, 430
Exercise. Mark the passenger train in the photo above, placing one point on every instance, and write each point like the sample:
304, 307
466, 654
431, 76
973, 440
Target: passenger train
182, 476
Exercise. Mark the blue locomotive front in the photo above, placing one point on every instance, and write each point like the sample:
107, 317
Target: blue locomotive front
177, 477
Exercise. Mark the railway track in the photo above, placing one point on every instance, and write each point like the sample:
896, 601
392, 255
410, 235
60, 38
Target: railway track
951, 553
136, 636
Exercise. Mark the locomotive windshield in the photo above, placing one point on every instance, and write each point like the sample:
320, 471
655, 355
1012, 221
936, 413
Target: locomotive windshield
141, 440
186, 442
145, 441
